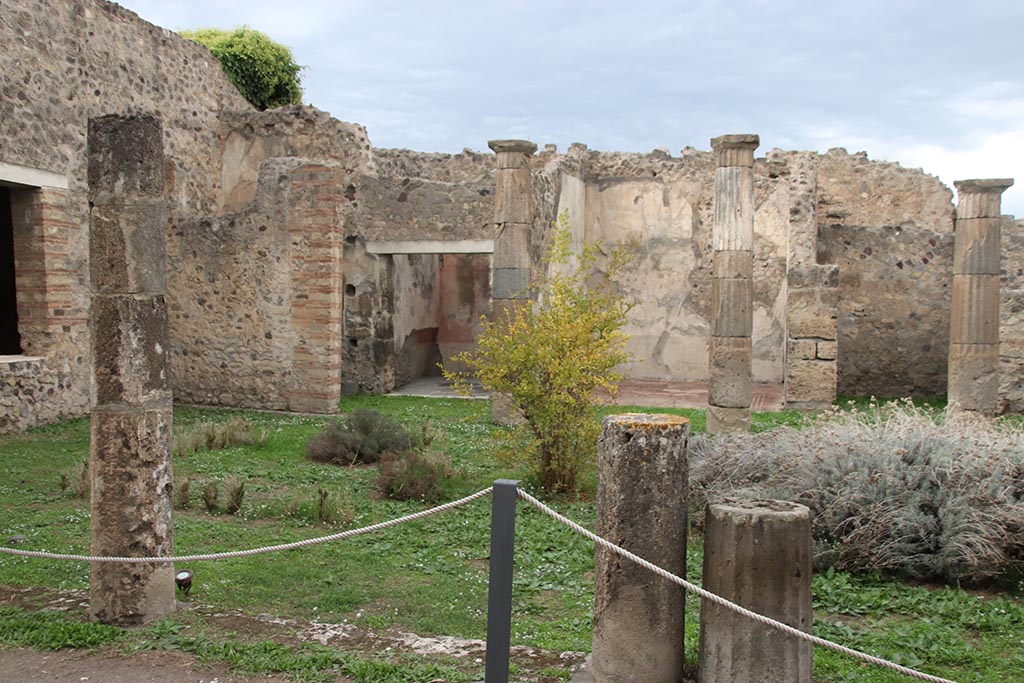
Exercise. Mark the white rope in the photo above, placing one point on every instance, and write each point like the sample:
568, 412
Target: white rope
255, 551
785, 628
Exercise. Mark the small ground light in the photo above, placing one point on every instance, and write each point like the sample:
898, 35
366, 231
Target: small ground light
183, 579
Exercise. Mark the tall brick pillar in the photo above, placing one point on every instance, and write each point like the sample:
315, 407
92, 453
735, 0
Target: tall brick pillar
974, 325
732, 285
510, 264
130, 456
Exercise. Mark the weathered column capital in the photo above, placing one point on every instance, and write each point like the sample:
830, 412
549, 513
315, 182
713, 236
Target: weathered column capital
735, 149
980, 197
524, 146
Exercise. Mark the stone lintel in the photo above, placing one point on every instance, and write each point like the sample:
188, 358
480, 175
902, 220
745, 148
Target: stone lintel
430, 247
735, 149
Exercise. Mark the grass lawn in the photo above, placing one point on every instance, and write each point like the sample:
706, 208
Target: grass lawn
427, 577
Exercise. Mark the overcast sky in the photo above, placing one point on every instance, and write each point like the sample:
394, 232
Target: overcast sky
935, 84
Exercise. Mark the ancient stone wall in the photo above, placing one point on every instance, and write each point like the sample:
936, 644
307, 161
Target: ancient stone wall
1011, 313
256, 315
62, 62
659, 207
890, 231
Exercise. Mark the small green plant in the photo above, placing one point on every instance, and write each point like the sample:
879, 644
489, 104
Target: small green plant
552, 358
76, 482
235, 490
412, 476
182, 494
360, 438
264, 71
211, 496
215, 436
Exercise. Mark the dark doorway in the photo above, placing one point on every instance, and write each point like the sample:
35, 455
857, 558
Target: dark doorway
10, 340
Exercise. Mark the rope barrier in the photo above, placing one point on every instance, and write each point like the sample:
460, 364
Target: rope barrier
692, 588
697, 590
256, 551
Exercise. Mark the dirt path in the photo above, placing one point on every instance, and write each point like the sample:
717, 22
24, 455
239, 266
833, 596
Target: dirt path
74, 666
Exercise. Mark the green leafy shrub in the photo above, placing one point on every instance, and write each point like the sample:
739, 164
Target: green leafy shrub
551, 359
895, 488
362, 437
215, 436
412, 476
263, 71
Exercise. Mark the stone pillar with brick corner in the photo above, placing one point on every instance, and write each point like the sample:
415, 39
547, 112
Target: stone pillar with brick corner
641, 506
732, 284
973, 382
757, 554
130, 433
510, 263
812, 298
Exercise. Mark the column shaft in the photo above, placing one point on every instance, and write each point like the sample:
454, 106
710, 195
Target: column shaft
973, 382
510, 263
130, 456
732, 303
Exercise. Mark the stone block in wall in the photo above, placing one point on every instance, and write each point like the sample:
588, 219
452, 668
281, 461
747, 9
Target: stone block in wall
807, 316
813, 276
976, 249
975, 316
810, 382
827, 350
729, 365
732, 313
510, 283
802, 349
127, 247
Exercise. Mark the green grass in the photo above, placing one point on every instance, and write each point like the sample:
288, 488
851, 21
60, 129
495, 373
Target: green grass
427, 577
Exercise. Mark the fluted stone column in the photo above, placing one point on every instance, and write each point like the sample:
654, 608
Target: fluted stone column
510, 264
974, 326
641, 505
732, 285
757, 554
130, 457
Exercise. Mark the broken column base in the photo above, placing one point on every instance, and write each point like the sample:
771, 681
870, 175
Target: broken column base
727, 419
757, 554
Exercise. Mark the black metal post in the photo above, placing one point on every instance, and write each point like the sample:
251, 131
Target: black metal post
499, 588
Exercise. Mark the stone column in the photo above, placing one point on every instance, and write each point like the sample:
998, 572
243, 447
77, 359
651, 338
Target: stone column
641, 505
510, 264
732, 284
758, 555
973, 382
130, 457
